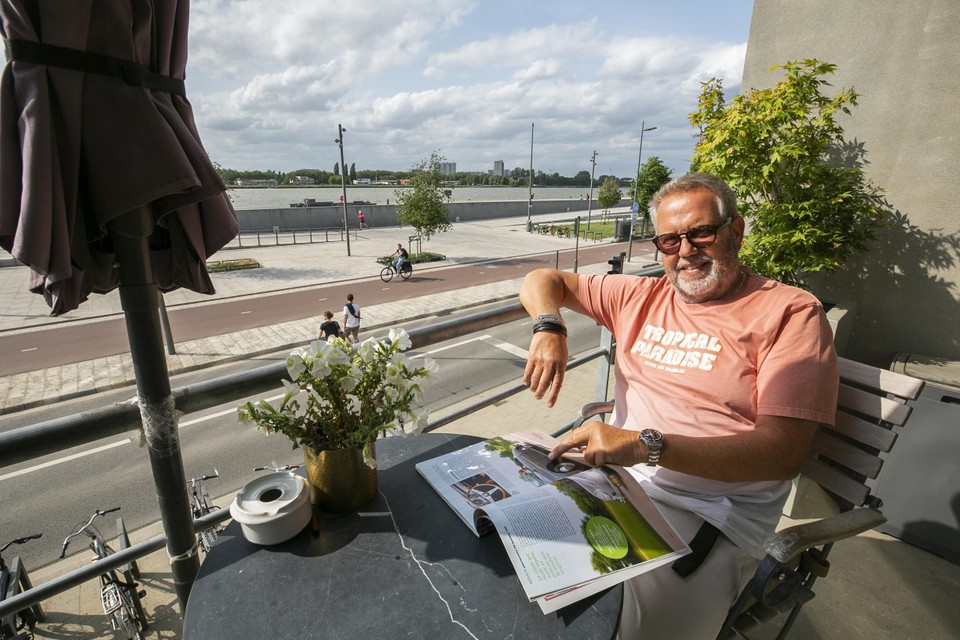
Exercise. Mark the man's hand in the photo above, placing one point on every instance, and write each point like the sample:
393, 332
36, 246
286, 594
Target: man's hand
602, 444
546, 365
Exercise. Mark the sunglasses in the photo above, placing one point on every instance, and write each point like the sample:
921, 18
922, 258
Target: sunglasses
701, 237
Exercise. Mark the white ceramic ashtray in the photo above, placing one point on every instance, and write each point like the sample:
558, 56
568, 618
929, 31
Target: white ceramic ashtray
273, 508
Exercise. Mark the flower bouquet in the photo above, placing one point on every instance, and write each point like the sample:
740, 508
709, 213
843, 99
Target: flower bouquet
344, 397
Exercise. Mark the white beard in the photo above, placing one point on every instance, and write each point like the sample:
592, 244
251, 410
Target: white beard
701, 288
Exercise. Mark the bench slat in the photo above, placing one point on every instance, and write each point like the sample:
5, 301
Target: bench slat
873, 405
850, 456
836, 482
880, 380
866, 433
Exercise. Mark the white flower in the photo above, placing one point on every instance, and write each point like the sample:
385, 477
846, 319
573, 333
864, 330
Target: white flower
400, 339
367, 350
430, 368
290, 391
295, 365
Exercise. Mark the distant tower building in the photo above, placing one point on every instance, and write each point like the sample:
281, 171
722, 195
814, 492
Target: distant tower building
448, 168
498, 168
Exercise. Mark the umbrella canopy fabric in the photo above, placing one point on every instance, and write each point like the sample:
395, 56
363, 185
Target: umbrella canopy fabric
94, 123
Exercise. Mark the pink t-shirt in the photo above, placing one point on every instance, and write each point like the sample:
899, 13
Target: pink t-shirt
710, 369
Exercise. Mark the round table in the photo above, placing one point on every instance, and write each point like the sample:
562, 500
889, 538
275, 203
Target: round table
402, 566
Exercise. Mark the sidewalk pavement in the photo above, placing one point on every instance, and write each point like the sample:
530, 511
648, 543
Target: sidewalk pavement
282, 268
879, 587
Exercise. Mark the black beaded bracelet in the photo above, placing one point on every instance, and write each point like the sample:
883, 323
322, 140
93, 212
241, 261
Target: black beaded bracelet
549, 327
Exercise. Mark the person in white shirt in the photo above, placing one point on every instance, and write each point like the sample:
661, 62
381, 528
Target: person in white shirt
351, 319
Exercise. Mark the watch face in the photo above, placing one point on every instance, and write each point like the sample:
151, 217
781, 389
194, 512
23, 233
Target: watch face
651, 436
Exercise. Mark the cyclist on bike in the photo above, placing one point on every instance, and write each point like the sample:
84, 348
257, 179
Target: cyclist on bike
401, 257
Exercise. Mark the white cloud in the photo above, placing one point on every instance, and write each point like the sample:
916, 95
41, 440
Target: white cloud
270, 81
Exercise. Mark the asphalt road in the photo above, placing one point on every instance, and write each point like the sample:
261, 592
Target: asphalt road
65, 344
53, 493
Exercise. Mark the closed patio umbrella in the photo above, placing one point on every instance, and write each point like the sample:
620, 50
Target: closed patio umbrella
104, 183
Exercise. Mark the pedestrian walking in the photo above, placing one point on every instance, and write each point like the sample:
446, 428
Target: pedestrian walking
329, 327
351, 319
362, 221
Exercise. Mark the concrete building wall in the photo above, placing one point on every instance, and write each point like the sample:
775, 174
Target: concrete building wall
903, 58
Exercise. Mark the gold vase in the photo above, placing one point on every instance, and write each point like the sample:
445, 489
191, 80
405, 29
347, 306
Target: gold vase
339, 479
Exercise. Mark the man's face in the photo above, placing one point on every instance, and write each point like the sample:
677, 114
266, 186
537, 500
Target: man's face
700, 275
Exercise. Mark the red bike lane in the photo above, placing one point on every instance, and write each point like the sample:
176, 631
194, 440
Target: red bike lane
65, 344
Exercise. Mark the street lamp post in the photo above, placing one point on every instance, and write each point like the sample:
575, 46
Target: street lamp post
343, 184
593, 159
636, 191
530, 184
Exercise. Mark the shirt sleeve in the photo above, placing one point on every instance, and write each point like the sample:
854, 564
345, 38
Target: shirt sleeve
798, 376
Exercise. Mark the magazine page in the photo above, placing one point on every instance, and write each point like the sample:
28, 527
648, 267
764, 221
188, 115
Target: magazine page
474, 478
651, 515
583, 528
570, 530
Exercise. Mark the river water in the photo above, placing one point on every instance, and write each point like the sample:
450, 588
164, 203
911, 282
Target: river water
281, 198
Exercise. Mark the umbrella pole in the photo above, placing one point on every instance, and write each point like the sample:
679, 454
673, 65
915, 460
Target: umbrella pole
139, 299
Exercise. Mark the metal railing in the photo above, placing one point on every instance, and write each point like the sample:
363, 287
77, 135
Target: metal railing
276, 237
52, 436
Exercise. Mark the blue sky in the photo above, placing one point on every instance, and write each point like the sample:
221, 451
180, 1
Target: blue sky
271, 79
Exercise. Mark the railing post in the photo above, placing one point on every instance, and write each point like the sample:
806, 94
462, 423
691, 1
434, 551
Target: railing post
605, 364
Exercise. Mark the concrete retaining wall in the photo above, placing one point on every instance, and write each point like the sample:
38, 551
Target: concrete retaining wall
385, 215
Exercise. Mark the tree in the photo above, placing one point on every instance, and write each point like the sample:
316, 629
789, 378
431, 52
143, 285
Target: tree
336, 168
353, 172
609, 194
653, 175
422, 205
798, 182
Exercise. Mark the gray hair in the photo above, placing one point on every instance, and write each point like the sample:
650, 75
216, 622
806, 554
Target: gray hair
726, 198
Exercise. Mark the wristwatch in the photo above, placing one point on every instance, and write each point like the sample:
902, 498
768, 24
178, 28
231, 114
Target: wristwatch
653, 440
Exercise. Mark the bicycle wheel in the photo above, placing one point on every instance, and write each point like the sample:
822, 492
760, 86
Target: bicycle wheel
126, 620
386, 274
130, 588
406, 270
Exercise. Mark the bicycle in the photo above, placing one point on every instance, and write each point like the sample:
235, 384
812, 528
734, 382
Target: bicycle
201, 504
119, 596
12, 580
406, 270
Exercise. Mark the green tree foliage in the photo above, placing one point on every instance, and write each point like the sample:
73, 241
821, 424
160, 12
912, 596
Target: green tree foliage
422, 205
653, 175
798, 182
353, 172
336, 168
609, 194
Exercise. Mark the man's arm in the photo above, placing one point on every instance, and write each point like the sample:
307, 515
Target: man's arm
546, 291
774, 450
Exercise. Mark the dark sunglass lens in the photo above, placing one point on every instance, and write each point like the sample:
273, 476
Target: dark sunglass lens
668, 243
702, 236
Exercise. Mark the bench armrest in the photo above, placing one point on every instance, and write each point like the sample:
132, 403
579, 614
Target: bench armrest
789, 543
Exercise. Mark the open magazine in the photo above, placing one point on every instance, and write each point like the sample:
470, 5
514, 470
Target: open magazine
570, 530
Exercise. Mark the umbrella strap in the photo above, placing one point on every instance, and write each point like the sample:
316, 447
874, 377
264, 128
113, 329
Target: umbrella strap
132, 73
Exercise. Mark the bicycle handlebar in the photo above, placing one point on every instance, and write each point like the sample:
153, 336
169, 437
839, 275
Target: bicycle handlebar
83, 529
286, 467
22, 540
215, 474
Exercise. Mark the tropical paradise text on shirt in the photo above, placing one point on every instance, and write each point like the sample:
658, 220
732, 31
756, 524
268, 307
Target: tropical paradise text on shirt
676, 350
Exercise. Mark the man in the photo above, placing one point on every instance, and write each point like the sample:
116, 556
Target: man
351, 319
401, 257
722, 377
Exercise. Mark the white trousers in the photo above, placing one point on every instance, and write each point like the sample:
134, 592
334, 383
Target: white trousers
662, 605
